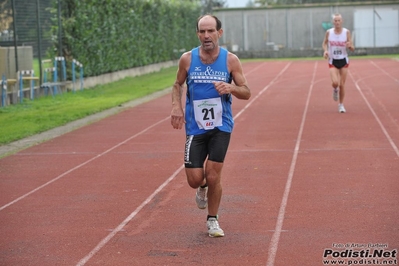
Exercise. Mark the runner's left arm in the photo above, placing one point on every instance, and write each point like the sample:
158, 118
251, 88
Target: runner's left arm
240, 88
349, 43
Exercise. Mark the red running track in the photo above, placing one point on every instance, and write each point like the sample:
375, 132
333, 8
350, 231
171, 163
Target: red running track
302, 183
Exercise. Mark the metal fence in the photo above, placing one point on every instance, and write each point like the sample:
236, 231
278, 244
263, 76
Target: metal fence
31, 61
33, 28
299, 28
26, 24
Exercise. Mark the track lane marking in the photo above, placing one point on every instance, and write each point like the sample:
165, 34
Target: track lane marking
120, 227
105, 240
280, 218
92, 159
390, 140
80, 165
263, 90
383, 71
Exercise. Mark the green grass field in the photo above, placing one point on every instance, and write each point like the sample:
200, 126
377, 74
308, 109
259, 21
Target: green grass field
32, 117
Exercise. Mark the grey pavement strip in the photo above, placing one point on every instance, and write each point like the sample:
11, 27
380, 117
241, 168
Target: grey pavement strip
18, 145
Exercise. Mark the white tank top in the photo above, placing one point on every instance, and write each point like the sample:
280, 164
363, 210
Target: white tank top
337, 45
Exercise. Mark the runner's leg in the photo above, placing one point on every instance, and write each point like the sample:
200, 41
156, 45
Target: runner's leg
213, 172
343, 73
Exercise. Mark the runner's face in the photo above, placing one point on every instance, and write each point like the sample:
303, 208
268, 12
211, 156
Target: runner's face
337, 22
207, 33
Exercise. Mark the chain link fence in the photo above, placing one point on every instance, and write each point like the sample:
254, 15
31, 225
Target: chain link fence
27, 26
30, 35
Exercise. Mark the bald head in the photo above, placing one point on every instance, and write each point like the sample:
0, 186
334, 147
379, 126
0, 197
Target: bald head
337, 21
218, 23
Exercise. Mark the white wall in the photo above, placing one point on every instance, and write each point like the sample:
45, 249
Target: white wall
376, 27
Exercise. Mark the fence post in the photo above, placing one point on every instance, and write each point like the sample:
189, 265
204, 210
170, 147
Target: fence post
3, 90
15, 35
55, 74
73, 75
81, 76
21, 93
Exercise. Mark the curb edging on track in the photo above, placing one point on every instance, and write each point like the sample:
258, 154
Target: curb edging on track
18, 145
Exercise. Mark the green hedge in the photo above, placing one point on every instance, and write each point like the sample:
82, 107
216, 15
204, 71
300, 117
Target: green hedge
112, 35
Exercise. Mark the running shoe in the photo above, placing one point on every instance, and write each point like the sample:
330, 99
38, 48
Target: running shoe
341, 108
201, 197
214, 229
335, 94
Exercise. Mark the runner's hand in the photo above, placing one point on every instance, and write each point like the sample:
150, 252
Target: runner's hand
223, 87
350, 46
177, 118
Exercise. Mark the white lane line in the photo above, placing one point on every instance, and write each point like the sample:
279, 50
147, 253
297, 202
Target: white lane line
263, 90
133, 214
92, 159
127, 220
383, 71
390, 140
280, 219
82, 164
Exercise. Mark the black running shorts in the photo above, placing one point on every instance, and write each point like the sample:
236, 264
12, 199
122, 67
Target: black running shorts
212, 144
339, 63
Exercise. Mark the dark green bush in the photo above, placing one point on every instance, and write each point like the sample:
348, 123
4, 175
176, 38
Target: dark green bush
112, 35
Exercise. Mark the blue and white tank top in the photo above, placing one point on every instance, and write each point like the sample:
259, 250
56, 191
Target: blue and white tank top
205, 108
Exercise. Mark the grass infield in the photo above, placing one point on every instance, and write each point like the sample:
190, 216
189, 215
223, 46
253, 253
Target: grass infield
35, 116
32, 117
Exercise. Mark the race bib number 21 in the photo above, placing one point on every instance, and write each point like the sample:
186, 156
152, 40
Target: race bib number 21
208, 113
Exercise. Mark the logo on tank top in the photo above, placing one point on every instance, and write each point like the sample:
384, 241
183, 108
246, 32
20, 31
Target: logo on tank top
337, 43
209, 75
